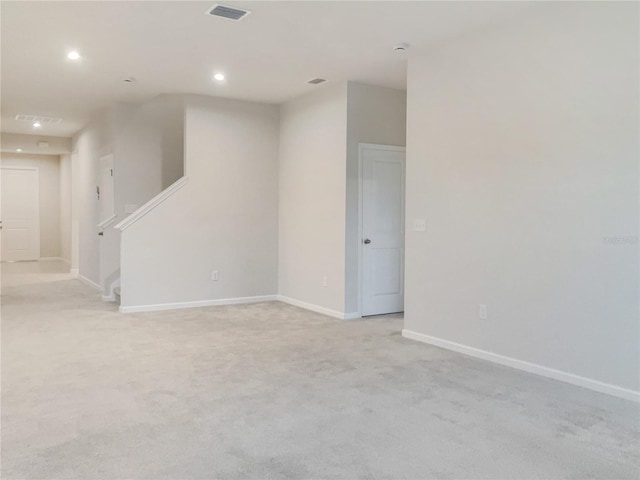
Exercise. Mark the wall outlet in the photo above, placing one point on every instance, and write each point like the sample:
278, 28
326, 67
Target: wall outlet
325, 281
419, 225
482, 311
214, 275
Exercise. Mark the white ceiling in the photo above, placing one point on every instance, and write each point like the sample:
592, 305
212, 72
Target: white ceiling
173, 47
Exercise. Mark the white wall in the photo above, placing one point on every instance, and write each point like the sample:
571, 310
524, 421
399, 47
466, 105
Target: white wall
65, 207
523, 158
313, 139
166, 114
137, 157
374, 115
49, 179
224, 218
91, 143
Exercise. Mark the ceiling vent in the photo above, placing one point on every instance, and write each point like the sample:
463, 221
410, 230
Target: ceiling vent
38, 118
228, 12
316, 81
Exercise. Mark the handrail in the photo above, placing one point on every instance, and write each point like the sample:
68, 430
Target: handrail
151, 204
107, 221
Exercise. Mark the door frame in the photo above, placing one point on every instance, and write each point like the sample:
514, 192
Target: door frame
361, 148
37, 170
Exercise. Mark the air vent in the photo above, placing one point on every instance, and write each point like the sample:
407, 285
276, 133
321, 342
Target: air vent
316, 81
38, 118
228, 12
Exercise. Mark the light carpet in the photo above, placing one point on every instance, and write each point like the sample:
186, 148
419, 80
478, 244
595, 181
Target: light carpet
271, 391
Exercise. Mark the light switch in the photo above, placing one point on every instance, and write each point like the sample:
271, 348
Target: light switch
419, 225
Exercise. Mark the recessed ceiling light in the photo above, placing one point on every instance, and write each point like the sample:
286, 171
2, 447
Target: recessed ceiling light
73, 55
18, 149
37, 124
219, 76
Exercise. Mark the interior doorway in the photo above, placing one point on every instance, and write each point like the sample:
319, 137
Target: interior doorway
20, 214
381, 226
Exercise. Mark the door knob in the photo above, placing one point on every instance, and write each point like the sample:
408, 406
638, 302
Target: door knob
367, 241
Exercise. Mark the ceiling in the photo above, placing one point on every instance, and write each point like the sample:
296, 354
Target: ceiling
173, 47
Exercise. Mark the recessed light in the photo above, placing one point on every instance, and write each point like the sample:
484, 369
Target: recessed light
219, 76
18, 149
73, 55
37, 124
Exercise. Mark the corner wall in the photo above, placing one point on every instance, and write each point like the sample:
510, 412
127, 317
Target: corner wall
523, 158
313, 139
89, 145
65, 207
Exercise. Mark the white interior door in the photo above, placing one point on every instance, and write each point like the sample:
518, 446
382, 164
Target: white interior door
107, 197
382, 170
20, 209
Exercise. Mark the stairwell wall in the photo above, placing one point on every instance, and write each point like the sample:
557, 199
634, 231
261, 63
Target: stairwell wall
225, 218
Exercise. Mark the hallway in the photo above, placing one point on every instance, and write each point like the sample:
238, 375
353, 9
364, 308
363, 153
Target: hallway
273, 391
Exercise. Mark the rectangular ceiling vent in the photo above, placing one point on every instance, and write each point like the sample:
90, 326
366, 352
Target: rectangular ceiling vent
228, 12
316, 81
21, 117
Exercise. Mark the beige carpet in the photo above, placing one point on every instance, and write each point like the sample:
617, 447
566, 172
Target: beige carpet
271, 391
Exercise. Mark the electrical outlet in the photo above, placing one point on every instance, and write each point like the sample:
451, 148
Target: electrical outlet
214, 275
482, 311
325, 281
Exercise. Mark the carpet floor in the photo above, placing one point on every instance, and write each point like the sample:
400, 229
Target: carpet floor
271, 391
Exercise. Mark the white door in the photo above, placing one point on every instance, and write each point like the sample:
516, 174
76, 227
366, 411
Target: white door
107, 199
20, 214
382, 218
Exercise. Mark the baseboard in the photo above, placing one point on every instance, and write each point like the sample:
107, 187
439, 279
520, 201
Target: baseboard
526, 366
197, 303
54, 259
91, 283
318, 309
75, 272
109, 298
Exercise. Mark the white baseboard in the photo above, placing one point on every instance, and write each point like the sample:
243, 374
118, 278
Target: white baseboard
91, 283
54, 259
75, 272
526, 366
109, 298
318, 309
197, 303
